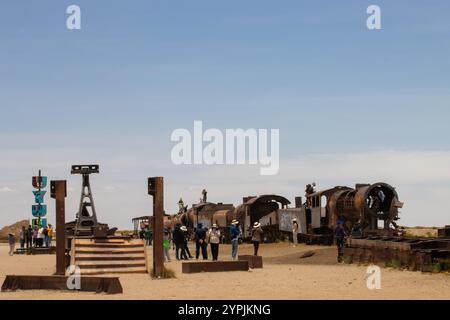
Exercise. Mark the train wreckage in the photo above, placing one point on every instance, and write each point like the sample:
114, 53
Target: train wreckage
369, 212
367, 209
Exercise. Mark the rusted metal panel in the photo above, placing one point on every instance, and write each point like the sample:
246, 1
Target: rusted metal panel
59, 193
109, 285
285, 217
156, 189
215, 266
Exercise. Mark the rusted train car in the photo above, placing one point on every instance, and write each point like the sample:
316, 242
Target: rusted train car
206, 213
272, 211
367, 209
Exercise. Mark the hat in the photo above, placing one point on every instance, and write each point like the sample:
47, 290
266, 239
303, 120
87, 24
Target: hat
183, 228
294, 220
214, 225
256, 225
234, 222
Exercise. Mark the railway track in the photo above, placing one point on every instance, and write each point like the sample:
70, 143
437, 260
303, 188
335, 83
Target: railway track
418, 254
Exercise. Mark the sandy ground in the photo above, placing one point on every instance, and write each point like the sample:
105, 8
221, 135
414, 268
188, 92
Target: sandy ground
285, 276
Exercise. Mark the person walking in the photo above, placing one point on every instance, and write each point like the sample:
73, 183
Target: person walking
44, 240
49, 238
214, 241
295, 232
186, 242
200, 242
29, 238
35, 236
234, 237
178, 239
166, 245
12, 244
257, 237
41, 236
148, 235
22, 235
340, 234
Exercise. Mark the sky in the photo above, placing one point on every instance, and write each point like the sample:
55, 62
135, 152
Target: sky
353, 105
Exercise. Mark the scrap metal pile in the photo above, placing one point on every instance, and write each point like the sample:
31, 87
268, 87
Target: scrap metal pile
418, 254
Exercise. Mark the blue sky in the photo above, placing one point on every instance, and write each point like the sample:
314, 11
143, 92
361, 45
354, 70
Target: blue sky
113, 92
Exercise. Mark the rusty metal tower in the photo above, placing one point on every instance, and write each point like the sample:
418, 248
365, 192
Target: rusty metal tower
86, 218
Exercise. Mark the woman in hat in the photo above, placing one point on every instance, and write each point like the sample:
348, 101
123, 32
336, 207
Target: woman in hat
257, 236
186, 240
214, 241
234, 237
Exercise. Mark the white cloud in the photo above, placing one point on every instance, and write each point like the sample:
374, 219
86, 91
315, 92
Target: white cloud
422, 179
6, 189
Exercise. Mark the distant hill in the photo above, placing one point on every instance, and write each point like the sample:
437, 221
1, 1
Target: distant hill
14, 229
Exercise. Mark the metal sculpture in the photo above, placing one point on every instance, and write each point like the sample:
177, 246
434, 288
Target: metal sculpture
86, 218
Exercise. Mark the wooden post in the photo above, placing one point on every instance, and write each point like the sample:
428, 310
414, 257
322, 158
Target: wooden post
58, 192
156, 189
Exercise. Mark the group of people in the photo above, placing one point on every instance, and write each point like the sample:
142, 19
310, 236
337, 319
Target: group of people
37, 237
214, 237
147, 235
204, 237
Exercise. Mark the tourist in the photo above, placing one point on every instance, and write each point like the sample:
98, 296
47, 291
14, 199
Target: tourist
200, 242
257, 237
295, 232
214, 241
45, 233
148, 234
35, 236
178, 239
49, 238
22, 235
186, 240
40, 236
340, 234
166, 245
12, 244
29, 238
234, 237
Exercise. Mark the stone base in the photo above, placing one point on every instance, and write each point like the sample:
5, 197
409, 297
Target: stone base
215, 266
254, 262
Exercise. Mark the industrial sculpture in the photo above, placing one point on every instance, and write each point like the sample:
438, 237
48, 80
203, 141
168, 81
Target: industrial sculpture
86, 222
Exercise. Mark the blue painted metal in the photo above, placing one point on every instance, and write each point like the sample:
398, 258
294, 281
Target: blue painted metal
39, 196
39, 210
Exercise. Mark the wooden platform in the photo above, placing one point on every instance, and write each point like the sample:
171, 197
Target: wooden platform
214, 266
109, 256
254, 262
109, 285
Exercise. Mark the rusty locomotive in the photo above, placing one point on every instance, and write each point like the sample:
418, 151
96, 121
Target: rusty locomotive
367, 209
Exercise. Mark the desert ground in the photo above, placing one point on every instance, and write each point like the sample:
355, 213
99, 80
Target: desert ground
285, 277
